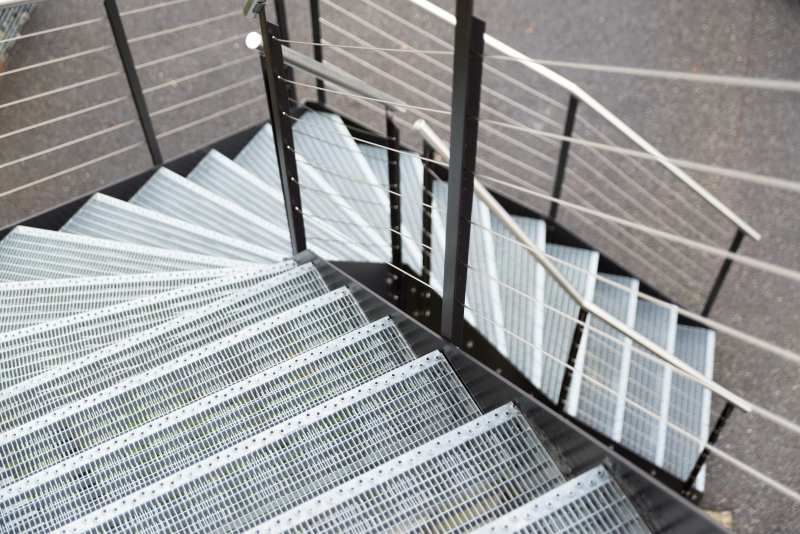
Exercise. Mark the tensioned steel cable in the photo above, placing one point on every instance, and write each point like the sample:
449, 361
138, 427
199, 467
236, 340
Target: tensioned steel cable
745, 260
710, 323
69, 143
61, 89
352, 178
331, 200
57, 60
366, 47
352, 128
60, 28
186, 26
157, 6
210, 117
60, 173
781, 183
67, 116
776, 85
206, 95
173, 83
192, 51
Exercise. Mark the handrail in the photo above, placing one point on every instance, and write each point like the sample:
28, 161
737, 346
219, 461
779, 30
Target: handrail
615, 121
296, 60
590, 307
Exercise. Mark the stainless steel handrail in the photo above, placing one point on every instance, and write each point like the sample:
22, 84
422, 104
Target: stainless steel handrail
615, 121
505, 218
296, 60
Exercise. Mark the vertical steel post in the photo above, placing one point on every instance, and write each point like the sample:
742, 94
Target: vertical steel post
564, 155
712, 439
279, 109
280, 14
393, 144
467, 73
573, 354
316, 35
723, 272
133, 79
427, 212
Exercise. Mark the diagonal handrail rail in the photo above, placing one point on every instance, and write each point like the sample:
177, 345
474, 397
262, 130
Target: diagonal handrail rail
588, 306
615, 121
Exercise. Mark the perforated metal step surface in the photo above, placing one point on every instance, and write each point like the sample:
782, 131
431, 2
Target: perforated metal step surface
32, 254
591, 503
203, 429
138, 400
454, 483
108, 218
229, 180
24, 304
34, 350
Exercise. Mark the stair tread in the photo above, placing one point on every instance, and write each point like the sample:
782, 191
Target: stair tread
108, 218
32, 351
33, 254
169, 193
589, 503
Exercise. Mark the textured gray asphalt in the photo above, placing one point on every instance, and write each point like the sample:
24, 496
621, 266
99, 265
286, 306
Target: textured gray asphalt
753, 130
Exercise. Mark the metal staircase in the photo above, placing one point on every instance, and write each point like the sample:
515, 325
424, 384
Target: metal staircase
166, 366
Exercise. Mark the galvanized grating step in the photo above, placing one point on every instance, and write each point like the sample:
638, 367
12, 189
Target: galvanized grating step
171, 194
411, 184
259, 158
559, 330
33, 254
650, 384
34, 350
205, 428
602, 360
108, 218
229, 180
454, 483
24, 304
591, 503
523, 317
300, 458
194, 374
690, 403
102, 368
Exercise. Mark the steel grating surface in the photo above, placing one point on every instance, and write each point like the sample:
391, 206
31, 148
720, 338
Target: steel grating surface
289, 463
169, 193
33, 254
29, 352
523, 317
141, 398
649, 384
559, 330
411, 182
82, 377
694, 346
229, 180
454, 483
344, 165
108, 218
24, 304
591, 503
259, 158
603, 360
202, 429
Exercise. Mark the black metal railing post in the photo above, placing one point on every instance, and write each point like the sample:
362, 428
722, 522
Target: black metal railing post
723, 272
279, 110
564, 155
467, 73
280, 14
566, 382
727, 411
393, 144
133, 79
427, 212
316, 35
